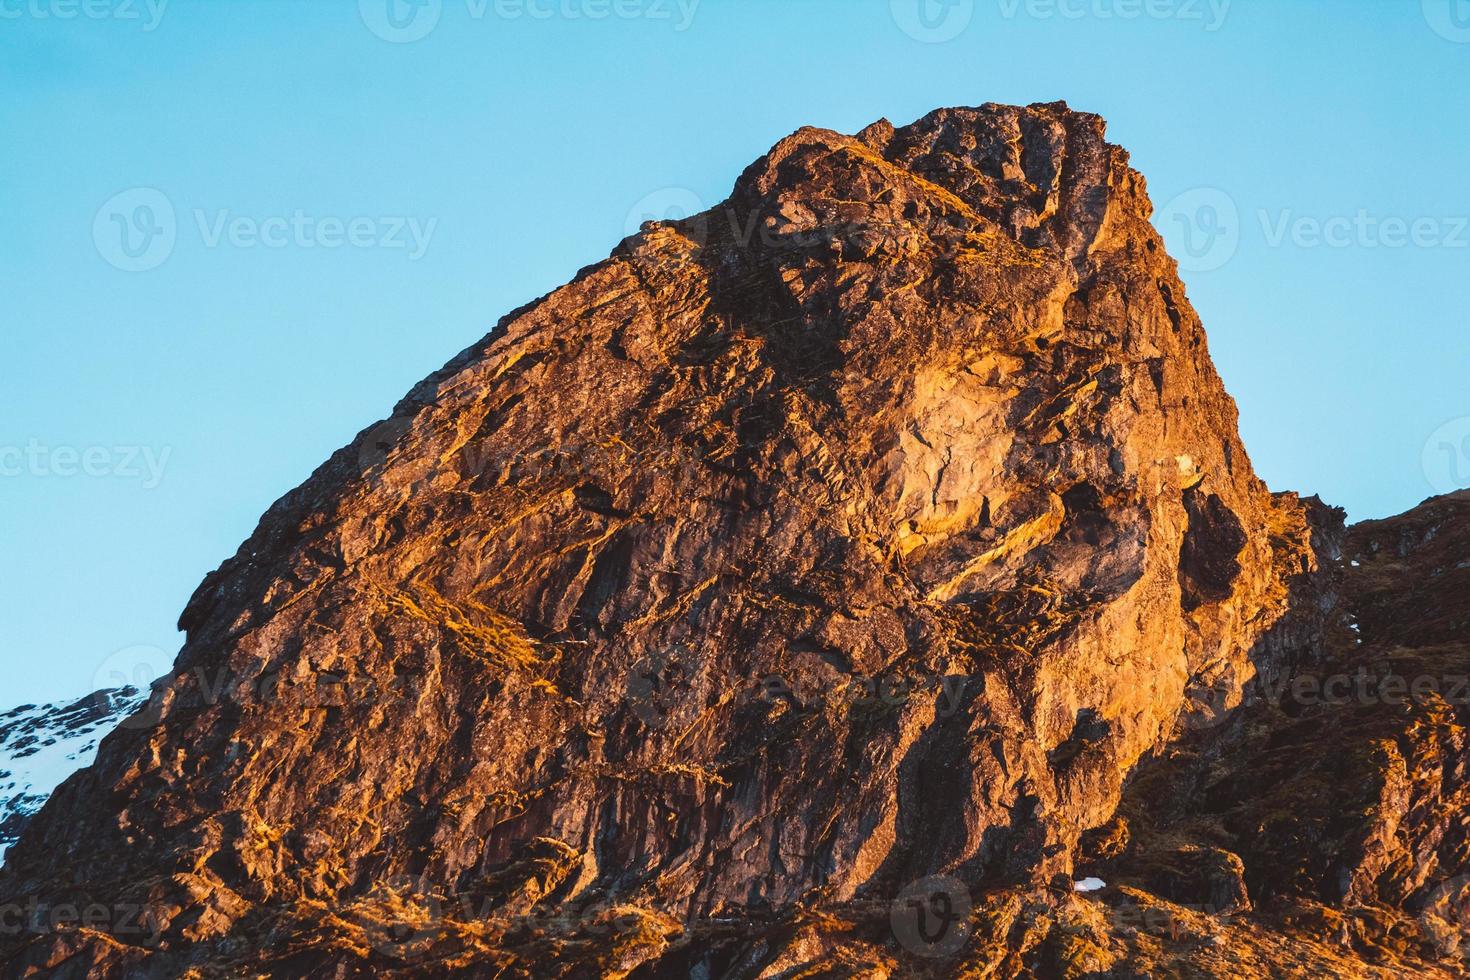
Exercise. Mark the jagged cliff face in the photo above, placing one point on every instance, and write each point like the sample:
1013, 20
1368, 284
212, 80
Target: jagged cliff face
869, 527
1333, 805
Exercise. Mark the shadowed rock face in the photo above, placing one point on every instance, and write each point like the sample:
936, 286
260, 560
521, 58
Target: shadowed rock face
1338, 795
869, 527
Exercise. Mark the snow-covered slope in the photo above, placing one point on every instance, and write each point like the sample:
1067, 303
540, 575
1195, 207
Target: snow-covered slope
41, 745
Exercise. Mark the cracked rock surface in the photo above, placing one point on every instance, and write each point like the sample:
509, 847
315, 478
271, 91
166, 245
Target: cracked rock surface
877, 528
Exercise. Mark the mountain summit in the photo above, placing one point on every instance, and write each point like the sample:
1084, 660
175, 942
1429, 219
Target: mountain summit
821, 585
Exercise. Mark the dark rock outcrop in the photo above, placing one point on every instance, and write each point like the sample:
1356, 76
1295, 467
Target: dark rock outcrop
1342, 782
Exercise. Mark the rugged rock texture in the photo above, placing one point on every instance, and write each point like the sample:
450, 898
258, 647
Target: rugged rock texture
785, 596
1340, 790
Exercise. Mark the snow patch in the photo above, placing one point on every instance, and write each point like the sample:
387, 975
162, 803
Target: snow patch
41, 745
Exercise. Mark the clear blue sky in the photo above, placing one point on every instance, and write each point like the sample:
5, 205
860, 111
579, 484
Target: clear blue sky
151, 416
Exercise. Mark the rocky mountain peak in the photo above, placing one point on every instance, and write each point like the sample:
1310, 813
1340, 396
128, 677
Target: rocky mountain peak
853, 542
